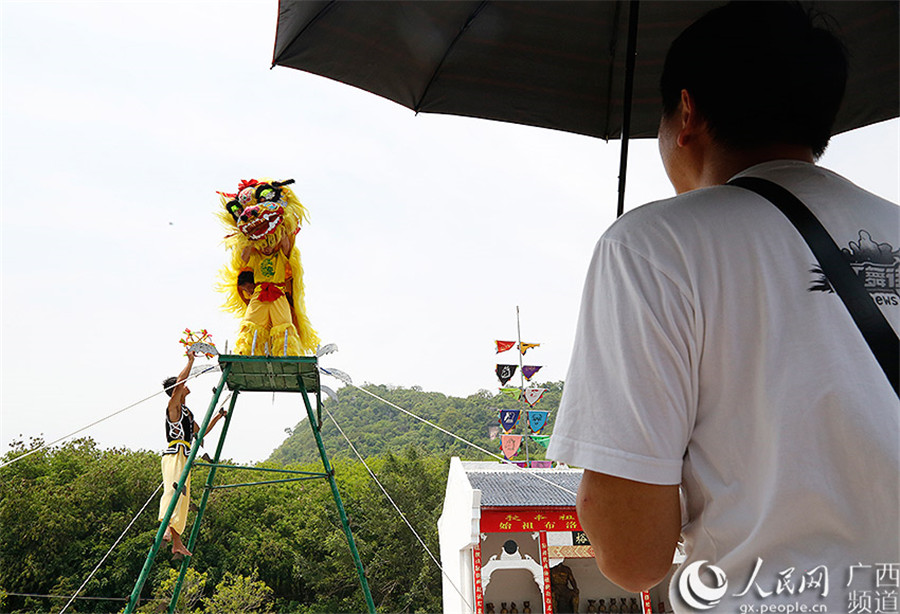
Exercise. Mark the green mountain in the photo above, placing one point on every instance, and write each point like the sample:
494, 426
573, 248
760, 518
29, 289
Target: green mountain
375, 427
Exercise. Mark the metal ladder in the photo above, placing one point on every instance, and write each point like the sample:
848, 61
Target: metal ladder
253, 374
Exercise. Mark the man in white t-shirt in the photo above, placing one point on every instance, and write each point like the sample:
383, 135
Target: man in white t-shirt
713, 358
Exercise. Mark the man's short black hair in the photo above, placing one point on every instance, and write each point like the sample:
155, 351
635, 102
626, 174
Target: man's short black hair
760, 73
169, 384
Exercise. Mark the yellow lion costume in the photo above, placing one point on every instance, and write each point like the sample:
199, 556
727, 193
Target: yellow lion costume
263, 283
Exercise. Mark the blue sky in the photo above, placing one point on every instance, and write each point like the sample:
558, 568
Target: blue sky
121, 120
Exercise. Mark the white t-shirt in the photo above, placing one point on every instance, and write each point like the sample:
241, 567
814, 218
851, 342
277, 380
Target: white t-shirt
710, 353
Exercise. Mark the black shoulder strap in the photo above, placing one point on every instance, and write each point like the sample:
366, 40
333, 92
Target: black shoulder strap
847, 285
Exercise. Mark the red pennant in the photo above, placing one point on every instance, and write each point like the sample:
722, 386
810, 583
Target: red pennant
503, 346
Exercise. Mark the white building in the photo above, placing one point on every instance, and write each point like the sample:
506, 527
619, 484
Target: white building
505, 532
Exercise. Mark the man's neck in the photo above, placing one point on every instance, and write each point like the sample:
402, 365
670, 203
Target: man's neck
721, 164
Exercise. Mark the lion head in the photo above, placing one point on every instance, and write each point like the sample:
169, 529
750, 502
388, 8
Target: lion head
258, 207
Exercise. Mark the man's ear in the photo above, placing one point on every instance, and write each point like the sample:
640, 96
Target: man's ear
691, 121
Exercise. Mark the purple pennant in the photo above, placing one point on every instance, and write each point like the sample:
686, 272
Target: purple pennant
529, 370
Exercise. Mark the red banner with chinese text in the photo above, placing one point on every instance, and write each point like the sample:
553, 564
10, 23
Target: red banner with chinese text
479, 595
514, 521
545, 563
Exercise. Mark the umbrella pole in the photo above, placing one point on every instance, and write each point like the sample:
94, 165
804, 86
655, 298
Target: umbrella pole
631, 49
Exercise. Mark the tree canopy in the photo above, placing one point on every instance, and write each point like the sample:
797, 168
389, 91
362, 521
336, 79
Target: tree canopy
375, 427
277, 547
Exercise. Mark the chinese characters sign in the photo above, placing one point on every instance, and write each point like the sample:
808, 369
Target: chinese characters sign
515, 521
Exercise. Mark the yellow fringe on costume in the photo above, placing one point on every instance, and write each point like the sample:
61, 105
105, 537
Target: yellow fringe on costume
307, 340
249, 335
277, 341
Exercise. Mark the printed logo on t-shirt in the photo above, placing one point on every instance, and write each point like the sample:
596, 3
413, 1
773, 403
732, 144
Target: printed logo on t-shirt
876, 264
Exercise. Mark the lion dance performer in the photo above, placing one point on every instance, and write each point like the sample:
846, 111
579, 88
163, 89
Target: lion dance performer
263, 282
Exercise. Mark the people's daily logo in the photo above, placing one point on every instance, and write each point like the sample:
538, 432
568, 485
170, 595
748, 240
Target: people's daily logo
695, 592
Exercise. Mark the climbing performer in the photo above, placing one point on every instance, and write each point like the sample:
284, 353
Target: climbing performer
180, 430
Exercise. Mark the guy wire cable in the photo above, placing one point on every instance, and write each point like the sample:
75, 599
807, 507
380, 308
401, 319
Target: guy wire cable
45, 596
402, 515
84, 428
108, 552
455, 436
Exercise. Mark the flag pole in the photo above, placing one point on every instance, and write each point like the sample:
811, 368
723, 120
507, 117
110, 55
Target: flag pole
522, 387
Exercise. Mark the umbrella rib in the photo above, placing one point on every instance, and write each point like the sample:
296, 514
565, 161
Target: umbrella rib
302, 30
437, 68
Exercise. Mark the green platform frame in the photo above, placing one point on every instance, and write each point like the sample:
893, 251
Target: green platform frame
298, 374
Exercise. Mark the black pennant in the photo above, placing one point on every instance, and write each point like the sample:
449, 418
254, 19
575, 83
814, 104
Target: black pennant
505, 373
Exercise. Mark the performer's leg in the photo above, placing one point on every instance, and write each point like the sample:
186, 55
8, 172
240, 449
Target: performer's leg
178, 546
254, 333
172, 467
280, 313
168, 471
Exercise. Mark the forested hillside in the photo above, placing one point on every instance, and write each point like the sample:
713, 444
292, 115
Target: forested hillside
277, 547
374, 427
269, 548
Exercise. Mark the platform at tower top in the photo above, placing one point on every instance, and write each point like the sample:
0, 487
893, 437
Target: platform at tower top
271, 373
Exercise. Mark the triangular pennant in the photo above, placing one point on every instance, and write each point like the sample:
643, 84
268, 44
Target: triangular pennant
529, 370
533, 395
511, 392
505, 373
508, 419
544, 440
503, 346
510, 445
524, 347
537, 420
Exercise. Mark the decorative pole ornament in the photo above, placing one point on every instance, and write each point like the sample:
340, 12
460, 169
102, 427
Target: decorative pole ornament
263, 281
199, 342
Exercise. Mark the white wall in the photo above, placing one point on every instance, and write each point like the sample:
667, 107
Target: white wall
458, 532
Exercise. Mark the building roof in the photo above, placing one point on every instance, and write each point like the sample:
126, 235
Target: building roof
508, 486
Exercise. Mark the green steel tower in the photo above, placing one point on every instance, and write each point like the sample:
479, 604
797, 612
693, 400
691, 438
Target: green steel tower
254, 374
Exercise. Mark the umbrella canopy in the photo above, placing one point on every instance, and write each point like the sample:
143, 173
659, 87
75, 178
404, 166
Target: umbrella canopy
562, 64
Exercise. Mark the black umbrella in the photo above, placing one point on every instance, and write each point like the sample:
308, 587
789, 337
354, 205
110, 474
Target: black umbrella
587, 67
